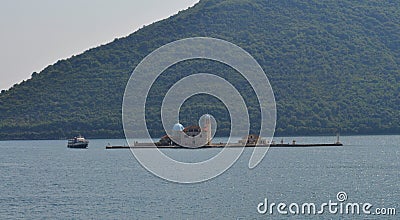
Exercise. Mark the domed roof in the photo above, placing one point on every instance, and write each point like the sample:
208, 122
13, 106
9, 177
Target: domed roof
178, 127
207, 116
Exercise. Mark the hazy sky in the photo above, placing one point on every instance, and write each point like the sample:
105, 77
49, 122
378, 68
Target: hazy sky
36, 33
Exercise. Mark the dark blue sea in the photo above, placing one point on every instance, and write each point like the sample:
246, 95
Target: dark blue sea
46, 180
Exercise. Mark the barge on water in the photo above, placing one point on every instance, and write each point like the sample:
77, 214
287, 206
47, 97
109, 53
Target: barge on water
222, 145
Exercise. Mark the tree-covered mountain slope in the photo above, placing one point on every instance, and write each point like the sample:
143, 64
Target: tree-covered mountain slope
332, 65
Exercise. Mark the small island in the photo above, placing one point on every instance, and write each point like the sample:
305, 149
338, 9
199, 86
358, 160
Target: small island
195, 137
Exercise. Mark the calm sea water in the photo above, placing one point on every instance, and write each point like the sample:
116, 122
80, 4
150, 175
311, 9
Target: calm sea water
44, 179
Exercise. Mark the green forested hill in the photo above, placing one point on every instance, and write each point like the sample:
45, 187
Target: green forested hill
332, 65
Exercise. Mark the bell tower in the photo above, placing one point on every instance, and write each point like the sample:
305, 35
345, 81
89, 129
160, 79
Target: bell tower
207, 128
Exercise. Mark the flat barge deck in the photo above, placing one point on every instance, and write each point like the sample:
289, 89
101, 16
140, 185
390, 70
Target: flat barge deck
224, 145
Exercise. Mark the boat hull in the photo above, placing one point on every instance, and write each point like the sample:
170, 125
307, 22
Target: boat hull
78, 145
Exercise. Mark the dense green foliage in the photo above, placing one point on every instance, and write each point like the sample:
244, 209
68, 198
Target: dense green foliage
332, 65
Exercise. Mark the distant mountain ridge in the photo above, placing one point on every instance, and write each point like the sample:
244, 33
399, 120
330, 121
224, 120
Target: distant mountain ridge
333, 65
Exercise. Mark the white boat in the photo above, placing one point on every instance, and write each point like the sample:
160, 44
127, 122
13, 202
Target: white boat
78, 142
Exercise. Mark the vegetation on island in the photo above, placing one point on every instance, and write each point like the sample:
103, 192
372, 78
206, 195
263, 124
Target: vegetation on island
333, 65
